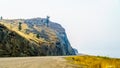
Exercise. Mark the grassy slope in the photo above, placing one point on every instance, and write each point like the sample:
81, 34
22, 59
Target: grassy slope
30, 36
33, 46
94, 62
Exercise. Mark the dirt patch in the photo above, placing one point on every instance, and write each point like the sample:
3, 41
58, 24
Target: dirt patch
35, 62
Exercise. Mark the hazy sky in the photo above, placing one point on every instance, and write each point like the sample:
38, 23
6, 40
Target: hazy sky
92, 26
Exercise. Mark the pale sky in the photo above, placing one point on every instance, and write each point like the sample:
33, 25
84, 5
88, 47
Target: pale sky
92, 26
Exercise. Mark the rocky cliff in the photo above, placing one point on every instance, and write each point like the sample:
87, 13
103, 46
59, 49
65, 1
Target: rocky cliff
76, 51
34, 39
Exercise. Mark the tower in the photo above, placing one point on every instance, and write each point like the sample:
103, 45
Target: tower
47, 21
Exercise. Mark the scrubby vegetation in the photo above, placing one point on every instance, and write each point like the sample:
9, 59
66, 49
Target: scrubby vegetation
94, 61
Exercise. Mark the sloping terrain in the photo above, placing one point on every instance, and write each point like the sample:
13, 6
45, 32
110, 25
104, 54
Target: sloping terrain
34, 38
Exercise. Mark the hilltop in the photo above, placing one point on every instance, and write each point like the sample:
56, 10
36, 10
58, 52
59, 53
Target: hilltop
33, 39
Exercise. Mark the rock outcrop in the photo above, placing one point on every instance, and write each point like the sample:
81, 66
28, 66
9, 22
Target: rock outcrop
76, 51
35, 39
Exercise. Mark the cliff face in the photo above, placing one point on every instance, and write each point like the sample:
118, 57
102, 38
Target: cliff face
76, 51
59, 30
34, 39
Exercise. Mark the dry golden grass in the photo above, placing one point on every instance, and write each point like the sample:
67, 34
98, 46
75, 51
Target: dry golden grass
14, 27
31, 36
94, 62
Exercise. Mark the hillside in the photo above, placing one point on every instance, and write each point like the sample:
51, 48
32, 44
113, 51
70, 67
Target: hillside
34, 38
